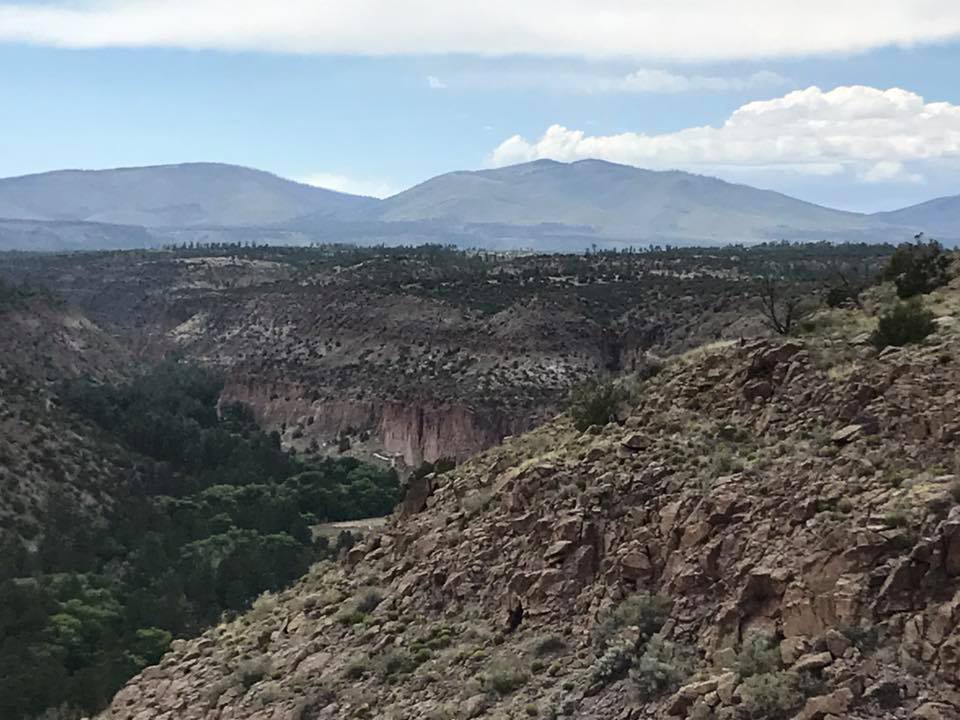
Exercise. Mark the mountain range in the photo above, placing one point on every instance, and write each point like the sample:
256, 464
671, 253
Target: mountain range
542, 204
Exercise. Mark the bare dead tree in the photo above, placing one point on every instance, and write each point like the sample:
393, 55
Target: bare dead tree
780, 310
849, 282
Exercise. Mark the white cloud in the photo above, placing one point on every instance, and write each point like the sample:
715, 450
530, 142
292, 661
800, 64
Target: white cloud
874, 135
644, 80
889, 171
662, 81
679, 29
354, 186
435, 83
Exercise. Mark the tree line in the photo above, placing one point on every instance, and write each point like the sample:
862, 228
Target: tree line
219, 513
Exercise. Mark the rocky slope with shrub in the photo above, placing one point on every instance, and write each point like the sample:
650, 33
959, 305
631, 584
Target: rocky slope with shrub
45, 453
422, 352
769, 529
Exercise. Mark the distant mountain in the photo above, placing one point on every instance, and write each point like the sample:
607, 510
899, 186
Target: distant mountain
938, 218
188, 195
545, 205
622, 202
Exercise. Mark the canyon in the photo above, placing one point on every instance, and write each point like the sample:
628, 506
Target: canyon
412, 353
770, 530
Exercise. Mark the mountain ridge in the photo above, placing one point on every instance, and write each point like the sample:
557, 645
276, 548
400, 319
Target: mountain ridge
544, 204
623, 199
179, 195
939, 215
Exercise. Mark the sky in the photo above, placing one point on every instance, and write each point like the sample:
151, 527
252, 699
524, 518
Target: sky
851, 104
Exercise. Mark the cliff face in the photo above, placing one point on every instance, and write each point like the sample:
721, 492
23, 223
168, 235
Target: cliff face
772, 533
416, 431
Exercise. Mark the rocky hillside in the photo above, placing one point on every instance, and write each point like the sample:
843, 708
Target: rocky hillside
771, 531
426, 352
46, 455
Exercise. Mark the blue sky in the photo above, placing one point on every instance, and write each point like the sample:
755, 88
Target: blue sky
109, 94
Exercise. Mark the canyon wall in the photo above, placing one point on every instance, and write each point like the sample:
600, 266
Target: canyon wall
416, 430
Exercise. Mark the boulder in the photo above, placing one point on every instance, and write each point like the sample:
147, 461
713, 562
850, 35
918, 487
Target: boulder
935, 711
813, 662
415, 498
846, 434
836, 703
726, 684
757, 390
688, 694
557, 551
474, 706
793, 648
837, 642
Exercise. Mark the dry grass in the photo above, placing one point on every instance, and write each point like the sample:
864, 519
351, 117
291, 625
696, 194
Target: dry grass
698, 354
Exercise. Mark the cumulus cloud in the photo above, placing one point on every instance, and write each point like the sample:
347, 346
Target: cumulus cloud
874, 135
680, 29
354, 186
435, 83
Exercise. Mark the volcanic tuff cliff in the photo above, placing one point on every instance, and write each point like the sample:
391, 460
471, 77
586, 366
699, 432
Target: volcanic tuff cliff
792, 504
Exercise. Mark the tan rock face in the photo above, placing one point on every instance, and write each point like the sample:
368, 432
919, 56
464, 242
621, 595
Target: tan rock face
415, 432
741, 511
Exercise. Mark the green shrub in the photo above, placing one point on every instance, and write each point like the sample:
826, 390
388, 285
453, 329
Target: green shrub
918, 268
351, 617
395, 662
660, 669
369, 600
759, 654
616, 660
839, 295
504, 677
906, 323
252, 671
594, 402
772, 695
356, 670
648, 613
549, 645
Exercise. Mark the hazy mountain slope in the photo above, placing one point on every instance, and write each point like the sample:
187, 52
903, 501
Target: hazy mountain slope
185, 195
939, 218
619, 201
544, 204
46, 235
